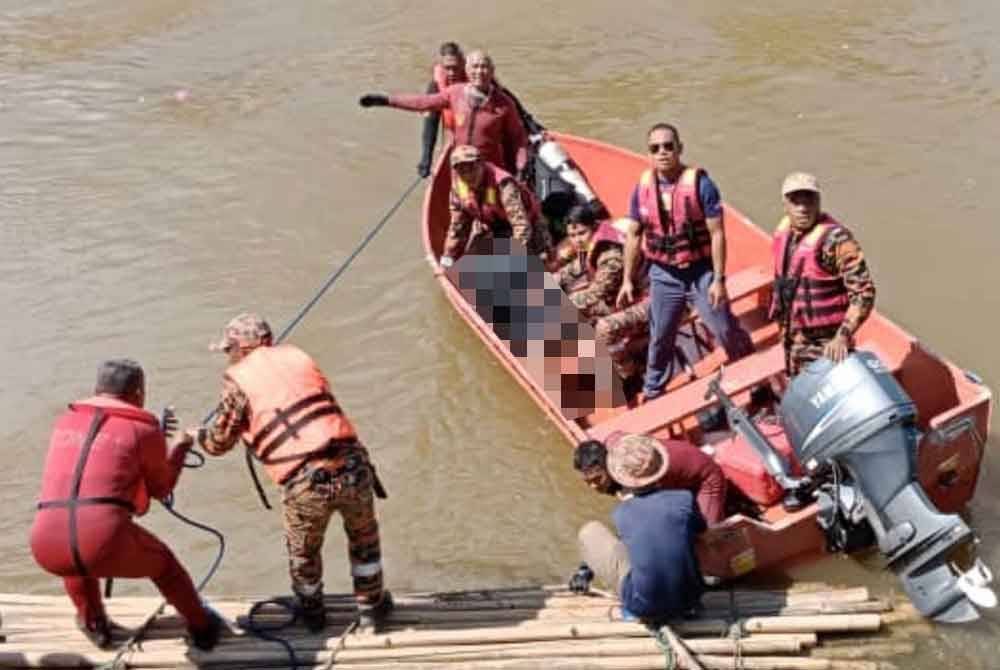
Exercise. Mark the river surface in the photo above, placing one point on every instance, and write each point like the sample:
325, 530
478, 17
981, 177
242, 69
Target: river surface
166, 164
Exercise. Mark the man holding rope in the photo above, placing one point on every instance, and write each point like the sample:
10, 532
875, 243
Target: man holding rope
278, 401
107, 458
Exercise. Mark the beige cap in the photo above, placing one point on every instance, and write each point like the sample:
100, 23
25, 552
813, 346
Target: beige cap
464, 153
799, 181
636, 461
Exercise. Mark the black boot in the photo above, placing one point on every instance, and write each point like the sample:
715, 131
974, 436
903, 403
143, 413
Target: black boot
98, 632
206, 638
312, 611
373, 616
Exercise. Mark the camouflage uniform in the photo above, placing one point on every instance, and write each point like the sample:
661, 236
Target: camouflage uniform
622, 332
841, 255
571, 272
625, 333
340, 482
533, 234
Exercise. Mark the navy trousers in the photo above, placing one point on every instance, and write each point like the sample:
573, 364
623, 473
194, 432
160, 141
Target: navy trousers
671, 291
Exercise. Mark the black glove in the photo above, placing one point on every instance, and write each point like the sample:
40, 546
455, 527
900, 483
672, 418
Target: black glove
374, 100
424, 170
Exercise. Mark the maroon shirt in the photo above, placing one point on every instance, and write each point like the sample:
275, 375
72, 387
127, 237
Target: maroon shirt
494, 127
694, 470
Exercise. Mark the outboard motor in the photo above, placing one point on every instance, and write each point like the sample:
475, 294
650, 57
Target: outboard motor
854, 418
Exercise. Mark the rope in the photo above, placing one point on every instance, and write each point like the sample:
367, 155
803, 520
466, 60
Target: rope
264, 632
309, 304
669, 657
341, 642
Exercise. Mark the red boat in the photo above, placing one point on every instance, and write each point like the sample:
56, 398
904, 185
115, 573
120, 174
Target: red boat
950, 401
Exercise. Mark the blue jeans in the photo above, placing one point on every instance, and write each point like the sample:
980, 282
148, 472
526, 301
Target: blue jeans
671, 291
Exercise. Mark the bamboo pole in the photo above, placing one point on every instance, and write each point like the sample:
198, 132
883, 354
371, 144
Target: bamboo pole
869, 651
821, 623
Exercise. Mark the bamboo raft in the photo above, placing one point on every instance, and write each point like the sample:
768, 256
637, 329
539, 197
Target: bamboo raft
807, 627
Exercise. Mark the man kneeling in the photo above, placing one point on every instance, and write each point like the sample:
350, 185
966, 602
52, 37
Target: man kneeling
652, 567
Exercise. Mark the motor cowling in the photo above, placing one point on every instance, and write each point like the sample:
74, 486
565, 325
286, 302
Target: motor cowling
855, 418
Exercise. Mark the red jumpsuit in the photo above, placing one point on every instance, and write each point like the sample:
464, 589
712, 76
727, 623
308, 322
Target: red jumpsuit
494, 127
83, 529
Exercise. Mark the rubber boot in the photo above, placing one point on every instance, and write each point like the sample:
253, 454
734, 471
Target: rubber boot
312, 611
98, 632
373, 616
206, 638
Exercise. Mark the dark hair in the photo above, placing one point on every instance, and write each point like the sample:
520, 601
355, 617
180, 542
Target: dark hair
557, 204
581, 214
589, 454
666, 126
121, 377
450, 49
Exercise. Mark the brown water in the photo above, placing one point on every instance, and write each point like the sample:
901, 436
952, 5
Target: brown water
135, 224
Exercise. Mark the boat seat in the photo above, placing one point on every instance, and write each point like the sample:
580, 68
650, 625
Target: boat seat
659, 415
742, 287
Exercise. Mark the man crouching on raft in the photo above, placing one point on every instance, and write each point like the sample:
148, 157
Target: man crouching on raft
107, 458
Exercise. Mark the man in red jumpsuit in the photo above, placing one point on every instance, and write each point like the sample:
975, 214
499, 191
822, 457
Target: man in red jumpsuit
107, 457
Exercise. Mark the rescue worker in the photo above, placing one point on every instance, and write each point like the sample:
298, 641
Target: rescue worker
278, 401
485, 116
107, 457
684, 466
823, 290
448, 71
486, 201
652, 567
600, 261
571, 252
676, 218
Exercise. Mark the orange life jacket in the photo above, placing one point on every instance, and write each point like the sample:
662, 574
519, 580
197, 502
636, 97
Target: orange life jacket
674, 229
441, 79
805, 294
293, 414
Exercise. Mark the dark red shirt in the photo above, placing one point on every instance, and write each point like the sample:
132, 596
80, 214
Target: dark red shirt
494, 127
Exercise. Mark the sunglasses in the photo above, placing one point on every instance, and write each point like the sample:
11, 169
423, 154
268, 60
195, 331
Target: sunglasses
665, 146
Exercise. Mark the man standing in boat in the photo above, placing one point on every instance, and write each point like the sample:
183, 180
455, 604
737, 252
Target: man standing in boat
676, 217
652, 567
484, 115
107, 458
448, 71
486, 201
276, 398
823, 290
